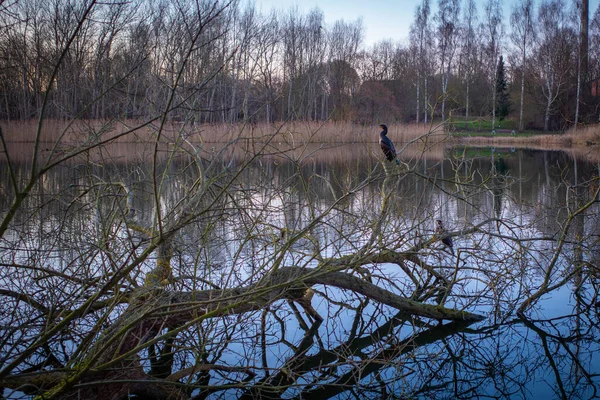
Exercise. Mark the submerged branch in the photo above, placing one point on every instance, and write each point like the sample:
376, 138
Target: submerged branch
153, 310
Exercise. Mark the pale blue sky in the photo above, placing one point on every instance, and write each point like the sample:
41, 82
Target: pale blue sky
382, 19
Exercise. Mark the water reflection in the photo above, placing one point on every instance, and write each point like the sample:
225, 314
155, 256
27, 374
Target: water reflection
527, 233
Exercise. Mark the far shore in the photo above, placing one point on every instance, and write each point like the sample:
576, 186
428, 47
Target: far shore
584, 140
586, 136
583, 143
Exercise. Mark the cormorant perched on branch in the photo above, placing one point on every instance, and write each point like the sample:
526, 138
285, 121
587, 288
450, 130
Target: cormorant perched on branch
386, 145
441, 231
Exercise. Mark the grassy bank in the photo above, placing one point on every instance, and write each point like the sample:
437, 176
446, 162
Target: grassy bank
481, 125
587, 136
582, 143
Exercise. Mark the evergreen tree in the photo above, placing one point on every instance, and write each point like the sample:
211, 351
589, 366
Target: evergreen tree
502, 98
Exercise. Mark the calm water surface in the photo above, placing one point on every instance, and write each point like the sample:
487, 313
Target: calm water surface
522, 201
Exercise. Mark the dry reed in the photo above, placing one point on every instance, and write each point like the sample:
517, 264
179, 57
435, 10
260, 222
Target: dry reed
296, 134
299, 141
292, 132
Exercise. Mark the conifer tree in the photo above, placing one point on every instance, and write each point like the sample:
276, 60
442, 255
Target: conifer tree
503, 100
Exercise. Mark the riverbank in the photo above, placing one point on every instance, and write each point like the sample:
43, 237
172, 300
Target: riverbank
581, 143
293, 132
584, 136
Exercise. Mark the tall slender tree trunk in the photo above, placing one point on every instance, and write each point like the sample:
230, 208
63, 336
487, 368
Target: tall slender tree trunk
232, 111
548, 106
467, 105
418, 95
522, 90
582, 67
223, 108
425, 101
578, 91
444, 86
583, 49
211, 102
289, 100
521, 127
445, 80
494, 100
268, 112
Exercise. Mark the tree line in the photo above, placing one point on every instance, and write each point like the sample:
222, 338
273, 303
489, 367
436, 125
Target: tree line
248, 66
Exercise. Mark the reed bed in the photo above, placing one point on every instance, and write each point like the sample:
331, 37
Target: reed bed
346, 132
588, 135
302, 137
133, 131
132, 140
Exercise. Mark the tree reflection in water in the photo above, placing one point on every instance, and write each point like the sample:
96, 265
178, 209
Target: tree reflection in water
309, 261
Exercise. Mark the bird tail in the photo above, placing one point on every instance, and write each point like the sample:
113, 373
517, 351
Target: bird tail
397, 161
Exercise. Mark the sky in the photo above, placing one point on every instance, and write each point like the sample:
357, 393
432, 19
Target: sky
382, 19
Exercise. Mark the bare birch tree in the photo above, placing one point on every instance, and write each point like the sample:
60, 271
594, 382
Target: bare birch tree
522, 35
554, 51
469, 50
421, 35
344, 43
494, 28
447, 40
594, 59
581, 11
266, 51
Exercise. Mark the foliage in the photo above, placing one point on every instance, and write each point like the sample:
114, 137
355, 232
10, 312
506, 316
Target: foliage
503, 98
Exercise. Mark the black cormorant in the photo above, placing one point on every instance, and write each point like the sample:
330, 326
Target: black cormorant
386, 145
441, 231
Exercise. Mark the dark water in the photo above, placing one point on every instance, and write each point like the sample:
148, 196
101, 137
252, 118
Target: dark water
525, 221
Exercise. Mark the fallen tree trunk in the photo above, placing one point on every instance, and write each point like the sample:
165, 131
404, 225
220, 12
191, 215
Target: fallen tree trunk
184, 306
154, 310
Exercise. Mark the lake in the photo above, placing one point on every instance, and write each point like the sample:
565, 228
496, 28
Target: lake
525, 228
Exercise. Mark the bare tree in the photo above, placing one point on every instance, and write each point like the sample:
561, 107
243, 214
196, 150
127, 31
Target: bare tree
345, 40
266, 50
522, 35
581, 9
447, 37
116, 17
554, 50
315, 56
421, 36
595, 54
494, 28
469, 50
127, 50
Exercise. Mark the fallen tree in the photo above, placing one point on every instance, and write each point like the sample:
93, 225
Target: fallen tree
153, 309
